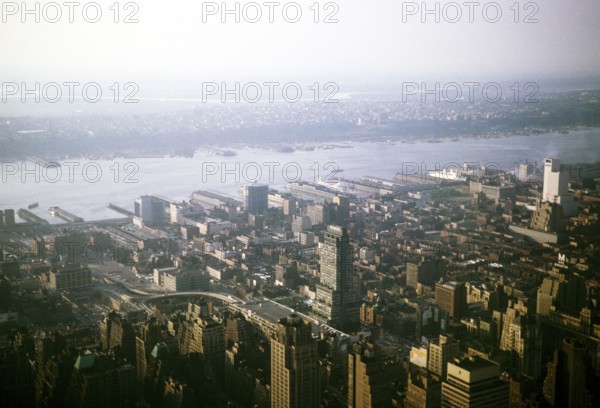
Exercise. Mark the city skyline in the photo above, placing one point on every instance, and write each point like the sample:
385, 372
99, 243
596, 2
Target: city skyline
339, 204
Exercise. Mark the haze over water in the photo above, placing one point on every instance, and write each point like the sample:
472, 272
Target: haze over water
177, 177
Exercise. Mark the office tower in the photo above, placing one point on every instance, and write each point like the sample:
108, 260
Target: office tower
286, 275
335, 300
520, 336
289, 206
17, 381
294, 365
160, 365
556, 186
334, 358
38, 247
548, 217
239, 378
431, 320
141, 362
570, 381
301, 223
555, 181
306, 238
52, 379
492, 297
526, 170
575, 295
116, 333
452, 297
207, 337
369, 377
238, 329
257, 198
424, 390
319, 213
521, 389
340, 210
101, 381
151, 210
474, 382
424, 272
547, 293
149, 335
442, 351
561, 294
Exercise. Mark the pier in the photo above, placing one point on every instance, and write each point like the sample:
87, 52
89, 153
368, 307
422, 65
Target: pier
65, 215
31, 217
120, 210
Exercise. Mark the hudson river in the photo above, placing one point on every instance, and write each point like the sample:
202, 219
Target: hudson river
85, 187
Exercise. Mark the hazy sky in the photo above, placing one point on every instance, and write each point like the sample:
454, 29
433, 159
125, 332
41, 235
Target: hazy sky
369, 42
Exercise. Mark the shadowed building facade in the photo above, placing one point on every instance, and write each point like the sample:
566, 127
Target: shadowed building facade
294, 365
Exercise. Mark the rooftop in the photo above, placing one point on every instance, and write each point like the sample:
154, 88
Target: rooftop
473, 363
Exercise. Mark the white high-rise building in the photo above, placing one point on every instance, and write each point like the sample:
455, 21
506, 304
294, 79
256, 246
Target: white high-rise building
336, 302
556, 187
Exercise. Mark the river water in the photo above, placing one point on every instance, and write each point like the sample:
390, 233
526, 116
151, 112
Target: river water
85, 187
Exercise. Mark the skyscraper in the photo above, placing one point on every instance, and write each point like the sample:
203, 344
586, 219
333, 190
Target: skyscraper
570, 381
474, 382
452, 297
294, 365
425, 272
257, 198
117, 333
150, 210
440, 353
101, 381
424, 390
319, 213
520, 336
556, 187
369, 377
548, 217
340, 209
335, 302
561, 293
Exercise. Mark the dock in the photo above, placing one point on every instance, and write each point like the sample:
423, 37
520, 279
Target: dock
65, 215
31, 217
120, 210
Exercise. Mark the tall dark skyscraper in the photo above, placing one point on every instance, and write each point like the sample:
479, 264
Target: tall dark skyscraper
335, 302
257, 198
570, 380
